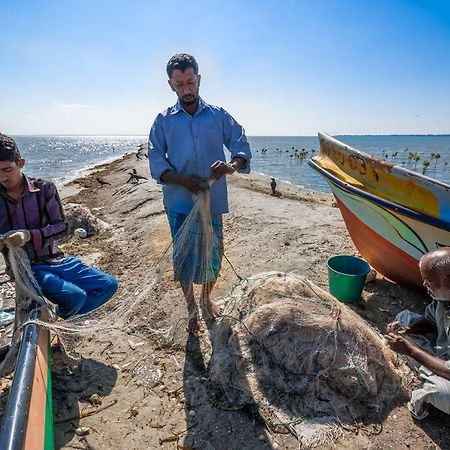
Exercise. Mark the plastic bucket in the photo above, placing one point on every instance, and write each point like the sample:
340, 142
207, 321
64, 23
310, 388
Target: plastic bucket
346, 277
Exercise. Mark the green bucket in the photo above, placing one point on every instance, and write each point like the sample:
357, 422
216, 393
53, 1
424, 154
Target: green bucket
346, 277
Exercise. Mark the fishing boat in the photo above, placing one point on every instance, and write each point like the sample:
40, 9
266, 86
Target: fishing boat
28, 417
393, 215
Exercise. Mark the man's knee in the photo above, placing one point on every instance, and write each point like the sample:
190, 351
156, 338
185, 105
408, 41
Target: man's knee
110, 285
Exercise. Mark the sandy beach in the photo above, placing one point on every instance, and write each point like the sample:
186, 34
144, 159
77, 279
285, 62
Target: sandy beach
153, 394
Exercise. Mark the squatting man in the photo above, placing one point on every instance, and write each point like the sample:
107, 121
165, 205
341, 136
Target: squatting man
32, 216
425, 340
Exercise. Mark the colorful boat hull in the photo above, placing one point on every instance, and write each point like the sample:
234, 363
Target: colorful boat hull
28, 417
390, 229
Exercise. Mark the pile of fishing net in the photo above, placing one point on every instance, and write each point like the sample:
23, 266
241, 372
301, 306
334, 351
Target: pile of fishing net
79, 216
305, 362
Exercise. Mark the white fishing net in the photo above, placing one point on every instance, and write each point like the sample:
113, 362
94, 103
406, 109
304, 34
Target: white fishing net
294, 353
114, 315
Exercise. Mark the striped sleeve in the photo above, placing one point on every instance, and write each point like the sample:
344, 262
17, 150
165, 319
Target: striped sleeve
52, 212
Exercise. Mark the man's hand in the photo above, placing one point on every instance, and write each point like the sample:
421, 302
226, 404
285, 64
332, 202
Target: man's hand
17, 238
192, 184
221, 168
397, 328
399, 344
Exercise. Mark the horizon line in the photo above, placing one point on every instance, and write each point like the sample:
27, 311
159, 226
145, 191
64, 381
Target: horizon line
249, 135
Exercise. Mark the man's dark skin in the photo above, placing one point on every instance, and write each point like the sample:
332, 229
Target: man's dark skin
438, 288
186, 85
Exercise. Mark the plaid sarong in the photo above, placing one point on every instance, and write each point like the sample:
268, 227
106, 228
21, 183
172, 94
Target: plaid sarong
191, 266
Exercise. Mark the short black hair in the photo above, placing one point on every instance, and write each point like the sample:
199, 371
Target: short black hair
181, 61
8, 149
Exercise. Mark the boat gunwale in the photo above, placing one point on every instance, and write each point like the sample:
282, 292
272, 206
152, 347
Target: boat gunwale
17, 410
438, 223
402, 170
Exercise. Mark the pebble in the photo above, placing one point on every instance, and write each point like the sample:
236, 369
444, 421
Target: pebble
80, 232
192, 413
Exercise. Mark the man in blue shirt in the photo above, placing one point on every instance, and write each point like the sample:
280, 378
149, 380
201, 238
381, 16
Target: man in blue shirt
185, 149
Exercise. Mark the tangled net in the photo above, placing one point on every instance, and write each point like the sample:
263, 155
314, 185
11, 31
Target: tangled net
305, 361
33, 307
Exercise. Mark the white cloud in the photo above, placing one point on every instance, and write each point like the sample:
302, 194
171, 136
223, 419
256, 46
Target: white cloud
69, 107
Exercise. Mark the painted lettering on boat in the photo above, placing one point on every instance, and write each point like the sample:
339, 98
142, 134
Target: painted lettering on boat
377, 177
350, 163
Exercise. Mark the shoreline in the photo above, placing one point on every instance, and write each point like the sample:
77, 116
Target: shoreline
85, 170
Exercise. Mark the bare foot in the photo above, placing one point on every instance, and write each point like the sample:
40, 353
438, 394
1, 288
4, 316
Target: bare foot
213, 310
194, 324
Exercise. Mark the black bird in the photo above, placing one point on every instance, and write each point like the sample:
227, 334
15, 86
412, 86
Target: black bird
102, 182
273, 185
134, 177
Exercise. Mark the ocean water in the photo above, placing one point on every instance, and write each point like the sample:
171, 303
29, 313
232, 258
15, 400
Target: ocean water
278, 158
61, 158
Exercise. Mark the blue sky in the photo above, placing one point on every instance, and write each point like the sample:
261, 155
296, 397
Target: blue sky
279, 67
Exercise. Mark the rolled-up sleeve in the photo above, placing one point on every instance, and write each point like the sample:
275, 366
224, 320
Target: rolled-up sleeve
157, 151
56, 226
236, 141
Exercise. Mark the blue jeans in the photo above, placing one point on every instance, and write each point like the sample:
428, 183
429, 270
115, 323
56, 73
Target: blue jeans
75, 287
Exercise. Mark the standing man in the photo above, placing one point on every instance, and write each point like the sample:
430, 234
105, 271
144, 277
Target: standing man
185, 149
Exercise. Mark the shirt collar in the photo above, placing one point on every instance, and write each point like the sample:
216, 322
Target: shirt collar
29, 185
177, 107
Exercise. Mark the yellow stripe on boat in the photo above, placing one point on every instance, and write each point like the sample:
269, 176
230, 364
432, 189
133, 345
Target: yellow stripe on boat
376, 177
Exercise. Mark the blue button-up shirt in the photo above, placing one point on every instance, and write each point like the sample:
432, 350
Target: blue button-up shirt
189, 145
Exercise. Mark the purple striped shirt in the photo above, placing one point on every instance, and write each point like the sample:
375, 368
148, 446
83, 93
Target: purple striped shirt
39, 210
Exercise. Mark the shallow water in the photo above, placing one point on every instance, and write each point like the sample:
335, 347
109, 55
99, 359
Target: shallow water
62, 157
280, 161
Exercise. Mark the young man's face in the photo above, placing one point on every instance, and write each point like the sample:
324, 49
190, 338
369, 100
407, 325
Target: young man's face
11, 174
186, 85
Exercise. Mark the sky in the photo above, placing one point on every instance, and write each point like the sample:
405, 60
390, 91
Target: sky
281, 67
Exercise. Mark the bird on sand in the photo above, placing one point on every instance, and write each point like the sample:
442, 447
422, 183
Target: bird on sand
102, 182
134, 177
273, 185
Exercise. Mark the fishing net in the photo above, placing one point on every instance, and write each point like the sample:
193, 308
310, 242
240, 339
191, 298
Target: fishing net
27, 293
197, 246
33, 307
304, 361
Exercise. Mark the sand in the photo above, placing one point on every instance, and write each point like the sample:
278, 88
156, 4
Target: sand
154, 394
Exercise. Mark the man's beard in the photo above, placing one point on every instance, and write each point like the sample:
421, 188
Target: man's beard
188, 100
440, 294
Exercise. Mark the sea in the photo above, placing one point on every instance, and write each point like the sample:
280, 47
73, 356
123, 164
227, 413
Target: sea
62, 158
